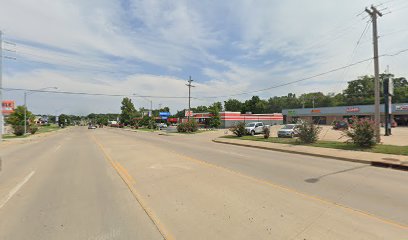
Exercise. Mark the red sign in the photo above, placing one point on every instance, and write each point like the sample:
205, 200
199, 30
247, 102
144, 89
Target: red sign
353, 109
402, 108
315, 111
8, 107
188, 113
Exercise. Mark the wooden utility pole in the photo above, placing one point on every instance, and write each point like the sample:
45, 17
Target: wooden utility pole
373, 12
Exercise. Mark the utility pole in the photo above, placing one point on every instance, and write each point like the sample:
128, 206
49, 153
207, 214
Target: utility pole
377, 118
1, 86
189, 96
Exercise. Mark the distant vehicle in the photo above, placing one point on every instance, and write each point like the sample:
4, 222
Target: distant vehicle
255, 128
162, 125
289, 130
91, 127
340, 125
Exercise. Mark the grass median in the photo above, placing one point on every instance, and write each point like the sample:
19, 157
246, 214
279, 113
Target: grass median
379, 148
41, 129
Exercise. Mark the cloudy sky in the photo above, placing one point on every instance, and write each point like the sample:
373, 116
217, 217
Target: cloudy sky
151, 47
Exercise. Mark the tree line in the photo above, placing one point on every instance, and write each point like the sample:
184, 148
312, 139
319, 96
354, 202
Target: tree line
357, 92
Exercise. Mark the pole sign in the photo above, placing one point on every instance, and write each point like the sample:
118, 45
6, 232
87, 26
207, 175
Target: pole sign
164, 114
188, 113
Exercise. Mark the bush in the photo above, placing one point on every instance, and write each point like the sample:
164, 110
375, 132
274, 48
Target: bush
362, 133
238, 129
152, 124
33, 129
18, 130
308, 133
191, 126
266, 132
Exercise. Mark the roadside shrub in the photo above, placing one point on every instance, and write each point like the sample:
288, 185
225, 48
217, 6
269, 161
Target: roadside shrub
152, 124
191, 126
238, 129
308, 132
18, 130
361, 132
33, 129
266, 132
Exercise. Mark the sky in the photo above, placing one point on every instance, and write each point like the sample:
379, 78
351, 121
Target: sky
150, 48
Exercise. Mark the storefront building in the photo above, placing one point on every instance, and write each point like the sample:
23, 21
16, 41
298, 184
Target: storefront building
326, 115
228, 119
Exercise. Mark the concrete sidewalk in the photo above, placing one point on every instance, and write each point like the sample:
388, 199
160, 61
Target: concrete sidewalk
377, 159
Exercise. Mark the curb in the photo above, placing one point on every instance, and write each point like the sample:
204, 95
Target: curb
372, 163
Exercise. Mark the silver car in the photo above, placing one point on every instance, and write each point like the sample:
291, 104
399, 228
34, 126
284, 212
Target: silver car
289, 130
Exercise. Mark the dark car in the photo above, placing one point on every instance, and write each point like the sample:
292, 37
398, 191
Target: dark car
340, 125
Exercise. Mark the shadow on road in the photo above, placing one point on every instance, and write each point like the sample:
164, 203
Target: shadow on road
315, 180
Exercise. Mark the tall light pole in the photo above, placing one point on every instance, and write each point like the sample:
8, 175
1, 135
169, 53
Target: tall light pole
25, 104
189, 96
149, 100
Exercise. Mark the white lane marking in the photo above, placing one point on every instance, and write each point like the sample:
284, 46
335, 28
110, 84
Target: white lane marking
15, 190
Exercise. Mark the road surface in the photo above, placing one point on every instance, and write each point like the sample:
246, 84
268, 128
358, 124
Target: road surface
116, 184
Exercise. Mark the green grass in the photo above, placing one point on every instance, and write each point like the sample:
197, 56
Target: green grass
198, 131
42, 129
380, 148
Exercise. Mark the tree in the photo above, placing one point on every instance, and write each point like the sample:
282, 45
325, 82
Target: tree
400, 90
16, 120
215, 119
233, 105
64, 120
17, 117
128, 111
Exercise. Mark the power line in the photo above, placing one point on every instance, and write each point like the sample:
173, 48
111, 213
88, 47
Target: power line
91, 94
306, 78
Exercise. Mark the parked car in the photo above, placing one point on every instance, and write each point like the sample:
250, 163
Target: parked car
289, 130
340, 125
255, 128
162, 125
91, 127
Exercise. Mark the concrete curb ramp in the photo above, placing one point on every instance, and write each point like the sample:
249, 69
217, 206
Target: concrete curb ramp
375, 159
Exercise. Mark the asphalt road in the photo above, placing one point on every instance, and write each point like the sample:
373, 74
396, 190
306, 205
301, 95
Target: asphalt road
115, 184
61, 187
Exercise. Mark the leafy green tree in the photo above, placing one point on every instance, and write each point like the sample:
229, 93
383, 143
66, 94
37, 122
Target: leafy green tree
64, 120
215, 119
16, 120
400, 90
128, 111
233, 105
17, 117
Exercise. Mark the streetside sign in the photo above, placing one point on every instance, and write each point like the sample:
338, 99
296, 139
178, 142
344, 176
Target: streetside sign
401, 108
164, 114
315, 111
188, 113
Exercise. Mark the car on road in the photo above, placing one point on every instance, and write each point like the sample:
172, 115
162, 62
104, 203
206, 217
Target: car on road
255, 128
162, 125
289, 130
91, 127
